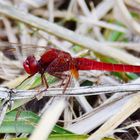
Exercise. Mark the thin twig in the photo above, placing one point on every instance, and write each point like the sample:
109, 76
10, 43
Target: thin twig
77, 91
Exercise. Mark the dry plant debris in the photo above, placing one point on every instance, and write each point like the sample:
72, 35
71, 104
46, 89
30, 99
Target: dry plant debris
106, 30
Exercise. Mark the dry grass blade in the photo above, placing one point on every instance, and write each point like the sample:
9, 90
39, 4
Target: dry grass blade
6, 102
49, 118
3, 110
77, 91
127, 18
96, 115
103, 24
130, 107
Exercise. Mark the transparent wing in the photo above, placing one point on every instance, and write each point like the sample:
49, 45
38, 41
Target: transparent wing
12, 56
22, 50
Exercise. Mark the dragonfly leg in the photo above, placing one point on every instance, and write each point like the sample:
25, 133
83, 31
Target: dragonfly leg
67, 83
44, 81
24, 81
63, 76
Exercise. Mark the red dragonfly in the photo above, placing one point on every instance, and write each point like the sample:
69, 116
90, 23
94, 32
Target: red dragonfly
55, 62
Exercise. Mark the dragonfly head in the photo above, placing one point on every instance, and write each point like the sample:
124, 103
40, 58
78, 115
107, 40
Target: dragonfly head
31, 65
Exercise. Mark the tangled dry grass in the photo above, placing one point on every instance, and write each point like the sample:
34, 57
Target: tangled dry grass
105, 30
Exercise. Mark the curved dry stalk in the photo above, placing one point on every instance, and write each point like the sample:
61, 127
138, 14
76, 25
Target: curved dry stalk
134, 124
127, 109
103, 8
127, 18
103, 24
129, 45
133, 3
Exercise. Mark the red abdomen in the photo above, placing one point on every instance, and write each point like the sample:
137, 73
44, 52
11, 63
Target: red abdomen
87, 64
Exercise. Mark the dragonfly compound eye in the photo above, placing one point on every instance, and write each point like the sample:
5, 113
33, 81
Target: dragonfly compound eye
31, 65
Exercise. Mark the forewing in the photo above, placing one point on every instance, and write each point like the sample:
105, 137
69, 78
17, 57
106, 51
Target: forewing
12, 56
22, 50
